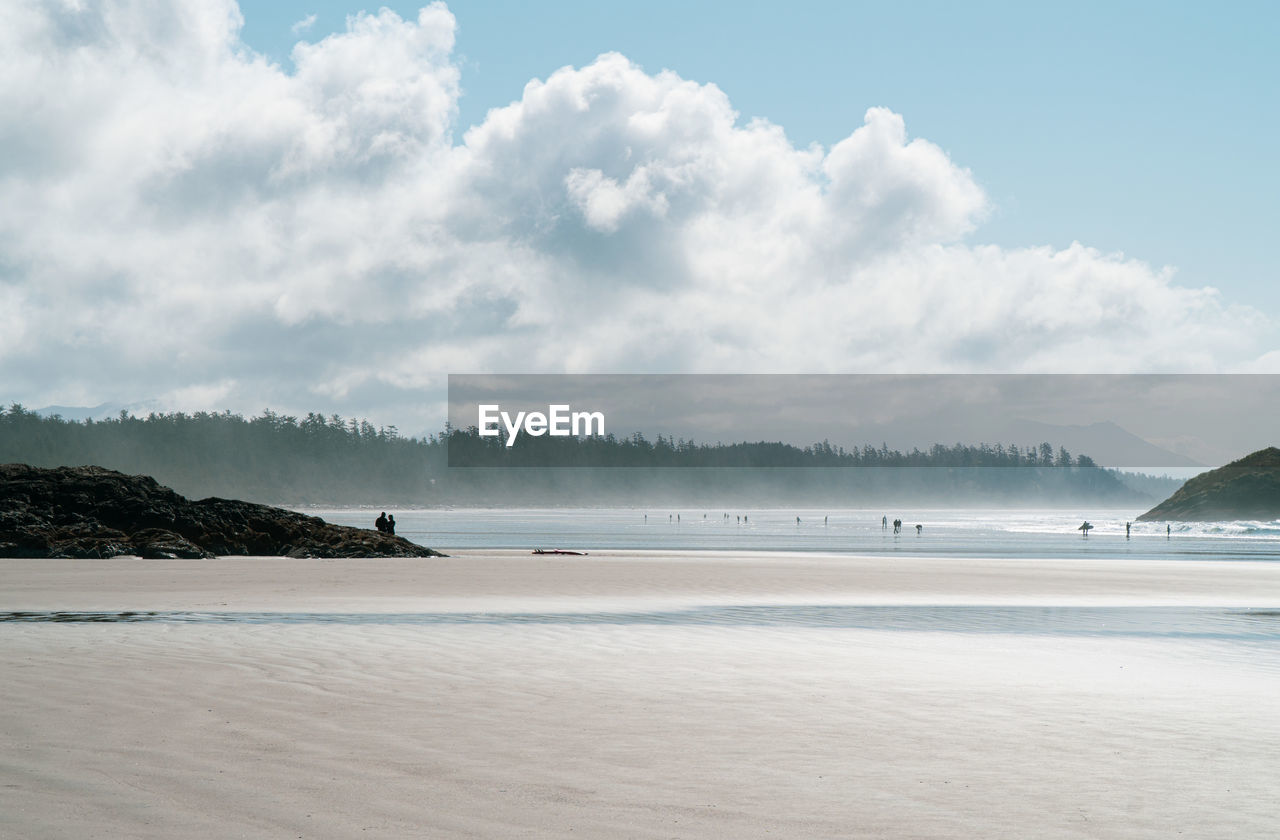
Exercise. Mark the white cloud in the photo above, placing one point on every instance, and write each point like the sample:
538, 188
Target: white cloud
180, 217
303, 25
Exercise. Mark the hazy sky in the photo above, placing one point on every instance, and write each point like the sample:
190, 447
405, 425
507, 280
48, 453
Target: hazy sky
303, 206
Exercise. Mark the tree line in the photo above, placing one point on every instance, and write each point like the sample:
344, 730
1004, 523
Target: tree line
319, 459
468, 448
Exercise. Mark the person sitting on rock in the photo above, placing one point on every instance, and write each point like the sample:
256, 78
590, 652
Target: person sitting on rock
381, 522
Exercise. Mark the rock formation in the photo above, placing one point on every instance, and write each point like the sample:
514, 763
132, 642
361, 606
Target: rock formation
96, 512
1244, 489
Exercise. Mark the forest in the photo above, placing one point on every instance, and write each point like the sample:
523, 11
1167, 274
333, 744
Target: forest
284, 459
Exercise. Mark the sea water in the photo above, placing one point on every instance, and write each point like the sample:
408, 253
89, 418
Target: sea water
1017, 533
1006, 534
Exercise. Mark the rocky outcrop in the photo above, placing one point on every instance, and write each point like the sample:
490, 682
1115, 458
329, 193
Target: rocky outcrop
1244, 489
95, 512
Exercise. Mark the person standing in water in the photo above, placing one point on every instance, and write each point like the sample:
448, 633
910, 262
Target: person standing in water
1126, 529
884, 523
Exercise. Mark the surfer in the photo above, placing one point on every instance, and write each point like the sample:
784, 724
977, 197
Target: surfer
1126, 529
919, 528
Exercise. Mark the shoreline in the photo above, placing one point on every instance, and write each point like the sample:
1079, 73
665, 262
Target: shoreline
515, 579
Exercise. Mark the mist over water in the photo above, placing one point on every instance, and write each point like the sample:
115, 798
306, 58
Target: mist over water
1011, 533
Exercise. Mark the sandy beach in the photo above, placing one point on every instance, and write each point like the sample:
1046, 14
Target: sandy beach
627, 730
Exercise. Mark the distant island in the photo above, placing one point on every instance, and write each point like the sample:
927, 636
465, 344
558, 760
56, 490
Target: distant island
1245, 489
91, 512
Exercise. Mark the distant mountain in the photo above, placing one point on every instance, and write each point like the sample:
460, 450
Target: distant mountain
102, 411
1105, 442
1244, 489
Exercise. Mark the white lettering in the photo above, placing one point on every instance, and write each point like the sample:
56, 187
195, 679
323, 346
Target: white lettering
559, 420
513, 429
587, 418
488, 417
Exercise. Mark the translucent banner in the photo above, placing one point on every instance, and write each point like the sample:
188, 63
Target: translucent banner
1149, 422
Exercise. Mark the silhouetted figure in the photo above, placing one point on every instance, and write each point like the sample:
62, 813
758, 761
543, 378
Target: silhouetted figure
897, 526
391, 525
919, 528
1126, 529
381, 522
1086, 528
824, 522
744, 519
884, 523
797, 520
1168, 529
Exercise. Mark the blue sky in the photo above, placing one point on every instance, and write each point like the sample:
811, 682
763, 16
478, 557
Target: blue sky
1142, 128
331, 208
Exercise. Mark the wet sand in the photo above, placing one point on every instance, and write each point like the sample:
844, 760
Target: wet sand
553, 730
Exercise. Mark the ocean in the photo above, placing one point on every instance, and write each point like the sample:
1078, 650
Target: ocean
989, 533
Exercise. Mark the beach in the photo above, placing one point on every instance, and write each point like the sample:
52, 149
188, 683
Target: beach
498, 694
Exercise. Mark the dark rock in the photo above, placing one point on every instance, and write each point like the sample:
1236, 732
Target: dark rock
95, 512
1244, 489
157, 544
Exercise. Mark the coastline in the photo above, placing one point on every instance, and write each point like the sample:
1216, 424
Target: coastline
515, 579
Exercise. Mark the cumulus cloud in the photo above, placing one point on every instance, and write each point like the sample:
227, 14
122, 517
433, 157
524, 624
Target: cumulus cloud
181, 219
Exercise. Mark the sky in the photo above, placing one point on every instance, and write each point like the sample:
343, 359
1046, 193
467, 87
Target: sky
309, 206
